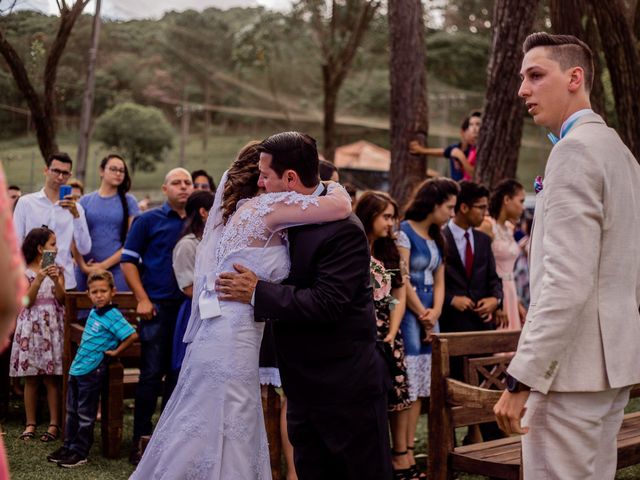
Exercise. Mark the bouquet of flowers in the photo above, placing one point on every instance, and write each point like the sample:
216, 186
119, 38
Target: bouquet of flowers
381, 283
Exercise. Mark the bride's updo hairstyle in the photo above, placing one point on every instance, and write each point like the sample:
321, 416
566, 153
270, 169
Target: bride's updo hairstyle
242, 179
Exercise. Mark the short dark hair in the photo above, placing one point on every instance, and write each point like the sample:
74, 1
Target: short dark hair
203, 173
14, 187
293, 151
326, 169
60, 156
465, 123
567, 50
470, 192
506, 188
101, 275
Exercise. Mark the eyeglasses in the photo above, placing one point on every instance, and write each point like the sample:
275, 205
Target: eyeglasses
60, 173
121, 171
203, 186
480, 207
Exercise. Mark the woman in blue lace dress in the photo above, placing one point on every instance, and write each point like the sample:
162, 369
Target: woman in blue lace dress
109, 211
421, 246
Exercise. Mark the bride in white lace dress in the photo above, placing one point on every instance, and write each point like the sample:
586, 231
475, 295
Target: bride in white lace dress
213, 427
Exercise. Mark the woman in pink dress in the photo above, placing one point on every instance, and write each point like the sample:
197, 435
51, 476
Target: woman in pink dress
505, 209
12, 284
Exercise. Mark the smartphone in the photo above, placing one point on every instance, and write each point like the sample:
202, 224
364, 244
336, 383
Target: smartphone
64, 191
48, 258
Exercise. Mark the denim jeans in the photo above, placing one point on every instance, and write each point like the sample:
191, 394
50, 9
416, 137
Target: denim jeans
156, 339
83, 395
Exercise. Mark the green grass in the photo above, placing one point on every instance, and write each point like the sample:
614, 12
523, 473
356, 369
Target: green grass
27, 460
23, 165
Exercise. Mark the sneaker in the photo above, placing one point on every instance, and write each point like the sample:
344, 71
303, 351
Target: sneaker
71, 460
58, 454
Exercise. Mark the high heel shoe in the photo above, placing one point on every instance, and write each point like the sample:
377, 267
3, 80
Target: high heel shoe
403, 473
414, 468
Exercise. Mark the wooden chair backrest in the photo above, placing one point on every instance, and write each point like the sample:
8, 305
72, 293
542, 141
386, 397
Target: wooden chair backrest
472, 402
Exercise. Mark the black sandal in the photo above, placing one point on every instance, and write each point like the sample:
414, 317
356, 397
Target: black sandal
414, 468
28, 435
403, 473
48, 436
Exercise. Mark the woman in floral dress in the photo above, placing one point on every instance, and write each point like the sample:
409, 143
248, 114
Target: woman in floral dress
378, 213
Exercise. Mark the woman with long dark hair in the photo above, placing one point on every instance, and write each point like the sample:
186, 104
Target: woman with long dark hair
378, 213
109, 211
506, 206
184, 261
422, 249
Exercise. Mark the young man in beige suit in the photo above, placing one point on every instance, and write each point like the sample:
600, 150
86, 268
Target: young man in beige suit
579, 351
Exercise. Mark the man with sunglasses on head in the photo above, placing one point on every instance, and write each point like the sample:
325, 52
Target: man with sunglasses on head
64, 216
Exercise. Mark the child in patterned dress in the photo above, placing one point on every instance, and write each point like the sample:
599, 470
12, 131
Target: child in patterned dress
36, 352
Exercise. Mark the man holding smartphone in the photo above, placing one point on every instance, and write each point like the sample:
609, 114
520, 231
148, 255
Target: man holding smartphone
54, 207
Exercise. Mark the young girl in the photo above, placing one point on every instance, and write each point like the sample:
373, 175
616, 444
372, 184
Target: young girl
378, 213
37, 344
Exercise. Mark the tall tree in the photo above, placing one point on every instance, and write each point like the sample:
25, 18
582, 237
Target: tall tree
87, 100
338, 27
408, 109
43, 108
623, 61
501, 131
575, 17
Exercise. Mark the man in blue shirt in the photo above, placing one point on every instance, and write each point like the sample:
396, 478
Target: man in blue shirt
147, 266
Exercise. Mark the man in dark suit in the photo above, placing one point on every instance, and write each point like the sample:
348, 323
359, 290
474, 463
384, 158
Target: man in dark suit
473, 290
333, 372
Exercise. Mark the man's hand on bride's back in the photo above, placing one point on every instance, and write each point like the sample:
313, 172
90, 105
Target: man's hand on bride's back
237, 286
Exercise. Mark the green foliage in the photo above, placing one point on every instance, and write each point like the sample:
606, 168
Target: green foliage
143, 133
459, 59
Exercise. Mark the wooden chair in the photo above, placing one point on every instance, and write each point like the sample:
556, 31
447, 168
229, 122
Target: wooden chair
456, 404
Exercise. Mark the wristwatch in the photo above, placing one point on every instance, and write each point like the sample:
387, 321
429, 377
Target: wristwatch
514, 386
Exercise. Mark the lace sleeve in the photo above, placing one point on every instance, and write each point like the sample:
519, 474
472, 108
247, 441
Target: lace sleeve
288, 209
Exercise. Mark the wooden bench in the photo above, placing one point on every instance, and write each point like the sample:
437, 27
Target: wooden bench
458, 404
122, 378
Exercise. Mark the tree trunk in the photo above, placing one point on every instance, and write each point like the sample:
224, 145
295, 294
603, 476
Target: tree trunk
408, 98
567, 19
207, 115
43, 110
329, 125
501, 131
339, 39
87, 100
623, 61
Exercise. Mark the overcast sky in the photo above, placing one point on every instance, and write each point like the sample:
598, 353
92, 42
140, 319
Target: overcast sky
126, 9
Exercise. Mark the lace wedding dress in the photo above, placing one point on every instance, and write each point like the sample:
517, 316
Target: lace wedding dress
213, 426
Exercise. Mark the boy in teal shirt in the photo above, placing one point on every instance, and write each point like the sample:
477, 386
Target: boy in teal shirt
106, 334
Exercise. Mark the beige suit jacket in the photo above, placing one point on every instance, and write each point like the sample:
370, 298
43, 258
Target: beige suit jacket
582, 332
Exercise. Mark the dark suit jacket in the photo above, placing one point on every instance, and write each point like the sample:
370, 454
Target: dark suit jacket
323, 317
484, 282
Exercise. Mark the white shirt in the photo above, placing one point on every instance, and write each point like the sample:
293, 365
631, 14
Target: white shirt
35, 210
461, 242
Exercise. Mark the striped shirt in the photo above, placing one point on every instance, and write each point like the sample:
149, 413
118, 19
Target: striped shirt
104, 330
